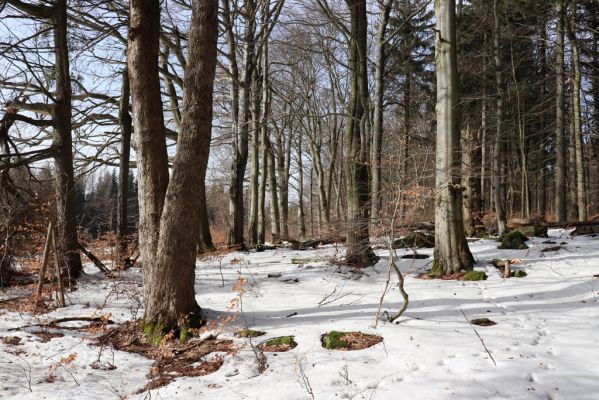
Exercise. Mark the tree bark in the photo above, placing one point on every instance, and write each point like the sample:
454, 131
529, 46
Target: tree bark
560, 139
66, 219
170, 296
235, 235
577, 134
379, 89
451, 248
148, 121
124, 156
498, 146
359, 252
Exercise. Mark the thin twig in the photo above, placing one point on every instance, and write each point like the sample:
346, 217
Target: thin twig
480, 338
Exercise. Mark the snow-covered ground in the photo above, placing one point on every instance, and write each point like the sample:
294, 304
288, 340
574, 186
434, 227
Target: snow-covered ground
545, 343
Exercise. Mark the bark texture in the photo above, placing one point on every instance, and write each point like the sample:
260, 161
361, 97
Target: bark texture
560, 139
451, 248
359, 252
170, 294
66, 219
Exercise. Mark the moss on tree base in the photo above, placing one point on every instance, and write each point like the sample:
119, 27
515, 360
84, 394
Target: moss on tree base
155, 331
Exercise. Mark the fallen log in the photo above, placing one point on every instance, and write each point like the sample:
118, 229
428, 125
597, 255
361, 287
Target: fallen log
94, 260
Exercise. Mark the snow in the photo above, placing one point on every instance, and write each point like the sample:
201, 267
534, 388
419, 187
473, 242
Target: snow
545, 343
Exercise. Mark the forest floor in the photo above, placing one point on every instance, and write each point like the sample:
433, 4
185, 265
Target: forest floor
545, 344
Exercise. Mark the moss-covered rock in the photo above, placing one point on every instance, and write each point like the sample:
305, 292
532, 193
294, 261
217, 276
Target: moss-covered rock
532, 230
415, 239
483, 322
475, 276
519, 274
249, 333
513, 240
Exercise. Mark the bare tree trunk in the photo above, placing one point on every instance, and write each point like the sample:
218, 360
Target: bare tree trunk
148, 122
451, 248
560, 140
254, 166
300, 190
483, 133
379, 89
240, 145
275, 215
170, 296
65, 182
498, 147
262, 187
205, 237
577, 134
359, 252
123, 189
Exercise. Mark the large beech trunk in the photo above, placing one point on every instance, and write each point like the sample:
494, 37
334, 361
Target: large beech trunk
451, 248
169, 284
148, 120
359, 252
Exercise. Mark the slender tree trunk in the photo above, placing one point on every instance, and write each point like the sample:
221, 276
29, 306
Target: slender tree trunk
171, 296
483, 134
359, 252
577, 135
262, 187
66, 219
205, 237
148, 122
275, 215
498, 147
254, 166
379, 89
123, 189
300, 190
560, 140
451, 248
240, 148
542, 152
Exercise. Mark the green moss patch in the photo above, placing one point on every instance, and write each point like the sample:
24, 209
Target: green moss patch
249, 333
278, 344
335, 340
519, 274
474, 276
483, 322
513, 240
154, 331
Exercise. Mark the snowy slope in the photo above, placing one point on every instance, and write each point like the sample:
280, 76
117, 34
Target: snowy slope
545, 343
